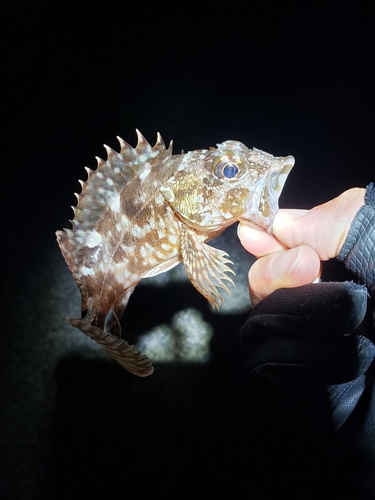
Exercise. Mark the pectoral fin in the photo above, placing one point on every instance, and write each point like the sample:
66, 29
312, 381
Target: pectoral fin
206, 266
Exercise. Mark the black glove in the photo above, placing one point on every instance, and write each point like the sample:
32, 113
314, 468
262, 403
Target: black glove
307, 372
305, 362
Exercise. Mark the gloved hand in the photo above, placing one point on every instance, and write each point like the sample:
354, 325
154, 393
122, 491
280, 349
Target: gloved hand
305, 361
307, 369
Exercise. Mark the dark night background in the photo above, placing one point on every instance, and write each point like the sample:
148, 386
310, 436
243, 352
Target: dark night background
289, 80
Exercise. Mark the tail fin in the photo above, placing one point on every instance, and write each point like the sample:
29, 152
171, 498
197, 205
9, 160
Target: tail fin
125, 354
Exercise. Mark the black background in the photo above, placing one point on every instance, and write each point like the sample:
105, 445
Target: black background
290, 80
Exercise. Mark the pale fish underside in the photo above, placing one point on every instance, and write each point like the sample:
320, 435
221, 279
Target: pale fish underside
144, 210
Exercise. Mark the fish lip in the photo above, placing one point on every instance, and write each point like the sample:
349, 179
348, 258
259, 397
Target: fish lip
283, 172
270, 191
274, 186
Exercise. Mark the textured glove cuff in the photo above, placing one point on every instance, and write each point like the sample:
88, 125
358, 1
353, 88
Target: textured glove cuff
357, 252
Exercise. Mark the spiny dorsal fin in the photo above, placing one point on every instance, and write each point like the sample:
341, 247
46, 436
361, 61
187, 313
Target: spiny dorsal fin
102, 188
112, 175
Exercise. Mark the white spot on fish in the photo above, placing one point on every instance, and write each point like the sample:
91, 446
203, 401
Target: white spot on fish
136, 230
122, 277
106, 258
168, 194
130, 249
93, 239
121, 266
115, 204
143, 252
80, 236
86, 271
102, 267
159, 200
144, 174
142, 197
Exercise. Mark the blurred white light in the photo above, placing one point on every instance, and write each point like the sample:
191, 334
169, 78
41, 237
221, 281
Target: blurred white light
186, 339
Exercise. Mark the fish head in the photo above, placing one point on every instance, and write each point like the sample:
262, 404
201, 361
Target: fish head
212, 189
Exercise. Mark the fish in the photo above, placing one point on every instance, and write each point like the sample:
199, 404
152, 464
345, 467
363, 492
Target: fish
144, 210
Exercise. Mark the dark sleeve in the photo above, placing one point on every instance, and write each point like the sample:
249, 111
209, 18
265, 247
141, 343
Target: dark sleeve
358, 250
358, 255
295, 340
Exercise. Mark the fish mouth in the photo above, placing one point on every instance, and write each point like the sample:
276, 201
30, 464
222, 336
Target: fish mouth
264, 203
279, 177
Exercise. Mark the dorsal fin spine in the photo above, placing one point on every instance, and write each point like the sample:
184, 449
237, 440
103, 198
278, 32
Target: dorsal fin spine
159, 141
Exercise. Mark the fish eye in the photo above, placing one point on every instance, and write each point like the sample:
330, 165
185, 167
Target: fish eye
229, 166
230, 170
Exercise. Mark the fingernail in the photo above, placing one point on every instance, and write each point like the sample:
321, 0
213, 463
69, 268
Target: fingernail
283, 264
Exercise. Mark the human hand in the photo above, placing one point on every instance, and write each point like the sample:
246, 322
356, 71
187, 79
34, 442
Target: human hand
301, 239
298, 337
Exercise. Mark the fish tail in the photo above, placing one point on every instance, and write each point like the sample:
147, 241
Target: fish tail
127, 355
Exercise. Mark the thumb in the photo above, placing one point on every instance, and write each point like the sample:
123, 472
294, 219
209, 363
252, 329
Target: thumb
324, 227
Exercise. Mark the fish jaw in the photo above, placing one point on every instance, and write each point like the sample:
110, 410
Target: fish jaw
263, 205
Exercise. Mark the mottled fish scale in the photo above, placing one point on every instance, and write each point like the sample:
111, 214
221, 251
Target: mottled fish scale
130, 251
144, 210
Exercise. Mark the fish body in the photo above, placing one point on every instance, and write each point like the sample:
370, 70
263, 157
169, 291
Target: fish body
144, 210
